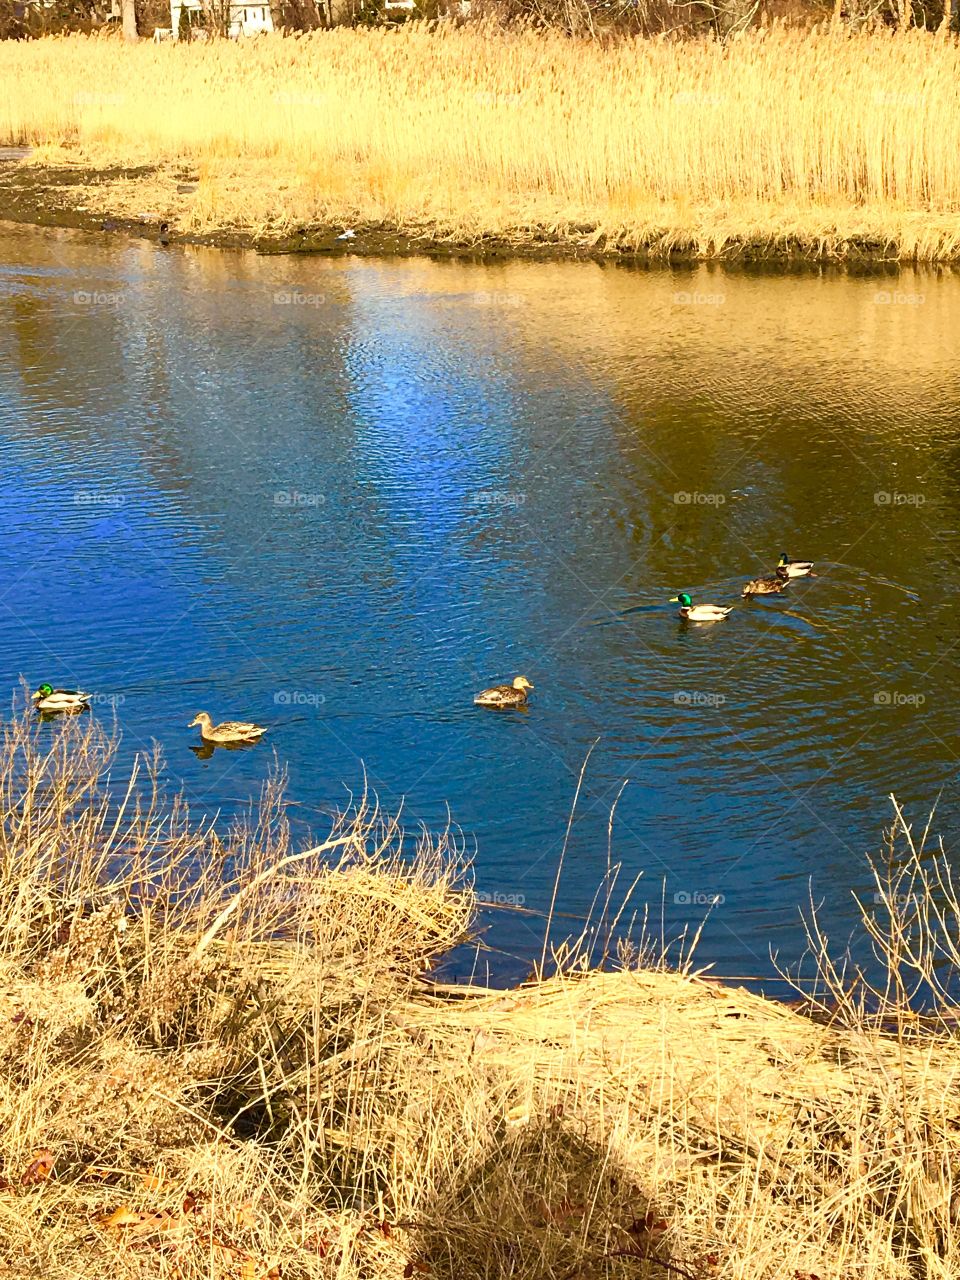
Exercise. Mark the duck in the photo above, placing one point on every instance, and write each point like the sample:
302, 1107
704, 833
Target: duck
766, 586
691, 612
54, 701
505, 695
229, 731
788, 568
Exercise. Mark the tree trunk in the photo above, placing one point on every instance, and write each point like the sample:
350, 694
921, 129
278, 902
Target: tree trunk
128, 13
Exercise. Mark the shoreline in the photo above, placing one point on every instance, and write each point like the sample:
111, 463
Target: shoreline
33, 194
230, 1053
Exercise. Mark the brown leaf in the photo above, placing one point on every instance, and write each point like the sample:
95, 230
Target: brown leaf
246, 1215
318, 1244
415, 1268
562, 1210
162, 1220
141, 1224
648, 1225
122, 1216
39, 1168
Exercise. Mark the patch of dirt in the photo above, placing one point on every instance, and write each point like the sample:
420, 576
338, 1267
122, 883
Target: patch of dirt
99, 200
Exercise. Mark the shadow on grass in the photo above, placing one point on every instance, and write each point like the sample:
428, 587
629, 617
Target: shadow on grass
548, 1205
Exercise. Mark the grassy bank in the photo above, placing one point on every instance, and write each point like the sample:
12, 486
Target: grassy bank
218, 1058
826, 141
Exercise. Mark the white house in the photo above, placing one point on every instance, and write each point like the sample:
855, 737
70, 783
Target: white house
242, 18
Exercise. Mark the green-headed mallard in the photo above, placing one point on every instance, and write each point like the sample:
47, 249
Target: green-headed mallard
229, 731
765, 586
51, 700
691, 612
505, 695
788, 568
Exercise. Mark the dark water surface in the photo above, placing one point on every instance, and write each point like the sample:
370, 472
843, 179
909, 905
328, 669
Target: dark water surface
339, 497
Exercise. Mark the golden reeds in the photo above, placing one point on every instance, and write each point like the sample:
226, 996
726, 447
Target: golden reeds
824, 139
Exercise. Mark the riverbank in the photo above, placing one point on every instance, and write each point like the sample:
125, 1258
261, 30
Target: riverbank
220, 1057
825, 143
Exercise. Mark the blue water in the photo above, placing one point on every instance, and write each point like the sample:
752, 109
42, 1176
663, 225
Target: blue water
339, 497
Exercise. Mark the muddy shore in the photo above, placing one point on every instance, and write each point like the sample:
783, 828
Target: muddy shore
58, 196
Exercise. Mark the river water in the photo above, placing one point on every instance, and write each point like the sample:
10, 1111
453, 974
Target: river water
339, 497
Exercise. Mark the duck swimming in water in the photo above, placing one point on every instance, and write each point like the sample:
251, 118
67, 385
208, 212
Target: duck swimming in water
52, 701
505, 695
765, 586
229, 731
691, 612
788, 568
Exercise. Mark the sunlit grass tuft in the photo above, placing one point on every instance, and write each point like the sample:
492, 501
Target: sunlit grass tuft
219, 1061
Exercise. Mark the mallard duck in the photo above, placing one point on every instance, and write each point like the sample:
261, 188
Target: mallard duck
788, 568
765, 586
229, 731
505, 695
691, 612
54, 700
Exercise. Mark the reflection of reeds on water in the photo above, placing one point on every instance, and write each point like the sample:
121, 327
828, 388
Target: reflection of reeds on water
824, 137
218, 1054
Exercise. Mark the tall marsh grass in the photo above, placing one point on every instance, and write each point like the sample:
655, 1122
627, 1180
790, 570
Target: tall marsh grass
219, 1060
826, 138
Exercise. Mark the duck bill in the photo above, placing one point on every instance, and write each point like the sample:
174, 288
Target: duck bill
674, 600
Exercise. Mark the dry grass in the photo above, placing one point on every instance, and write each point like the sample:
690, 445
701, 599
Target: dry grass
217, 1059
825, 139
